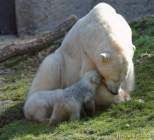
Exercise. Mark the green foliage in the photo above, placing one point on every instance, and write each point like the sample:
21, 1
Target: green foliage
126, 121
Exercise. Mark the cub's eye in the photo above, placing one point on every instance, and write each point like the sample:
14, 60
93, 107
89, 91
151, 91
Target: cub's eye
116, 81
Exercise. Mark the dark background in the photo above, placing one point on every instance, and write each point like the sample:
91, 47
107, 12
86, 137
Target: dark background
7, 17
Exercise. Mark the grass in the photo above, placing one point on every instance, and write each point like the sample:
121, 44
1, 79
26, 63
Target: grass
126, 121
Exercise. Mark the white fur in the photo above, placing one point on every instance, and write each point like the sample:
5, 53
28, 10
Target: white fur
101, 30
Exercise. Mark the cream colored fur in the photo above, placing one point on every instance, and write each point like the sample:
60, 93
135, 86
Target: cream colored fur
101, 40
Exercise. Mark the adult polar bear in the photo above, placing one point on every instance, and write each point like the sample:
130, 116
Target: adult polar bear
101, 40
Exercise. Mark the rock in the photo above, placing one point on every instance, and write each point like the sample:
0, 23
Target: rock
141, 101
4, 71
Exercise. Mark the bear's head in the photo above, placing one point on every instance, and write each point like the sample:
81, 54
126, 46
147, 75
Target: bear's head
117, 70
114, 62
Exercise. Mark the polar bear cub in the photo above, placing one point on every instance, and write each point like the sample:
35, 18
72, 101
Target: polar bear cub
64, 104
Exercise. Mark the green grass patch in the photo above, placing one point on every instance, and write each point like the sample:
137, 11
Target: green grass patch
126, 121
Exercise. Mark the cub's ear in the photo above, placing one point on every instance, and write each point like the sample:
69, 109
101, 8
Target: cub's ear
106, 57
95, 80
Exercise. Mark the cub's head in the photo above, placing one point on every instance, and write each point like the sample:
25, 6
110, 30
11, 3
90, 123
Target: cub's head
92, 79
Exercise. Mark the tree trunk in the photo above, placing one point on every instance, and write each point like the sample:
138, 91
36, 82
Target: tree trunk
37, 43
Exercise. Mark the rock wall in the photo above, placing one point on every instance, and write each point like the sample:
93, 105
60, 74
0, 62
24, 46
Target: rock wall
35, 16
40, 15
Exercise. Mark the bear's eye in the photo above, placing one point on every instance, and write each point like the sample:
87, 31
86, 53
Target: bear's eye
106, 57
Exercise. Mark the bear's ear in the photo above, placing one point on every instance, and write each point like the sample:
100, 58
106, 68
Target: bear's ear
106, 57
134, 48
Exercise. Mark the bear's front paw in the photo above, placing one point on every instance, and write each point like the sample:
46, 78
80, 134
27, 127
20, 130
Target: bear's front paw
123, 96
